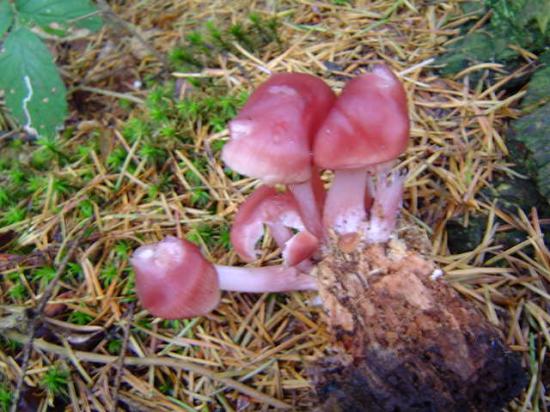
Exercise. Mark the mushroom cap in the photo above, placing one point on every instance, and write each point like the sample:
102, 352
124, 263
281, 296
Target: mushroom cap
280, 213
368, 124
271, 137
174, 280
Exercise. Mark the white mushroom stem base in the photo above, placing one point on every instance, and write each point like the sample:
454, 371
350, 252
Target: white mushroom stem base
387, 192
345, 203
365, 201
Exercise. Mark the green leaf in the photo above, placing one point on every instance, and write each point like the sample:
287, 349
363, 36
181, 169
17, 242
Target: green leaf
57, 14
6, 17
33, 89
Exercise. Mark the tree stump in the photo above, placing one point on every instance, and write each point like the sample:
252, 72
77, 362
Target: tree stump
404, 340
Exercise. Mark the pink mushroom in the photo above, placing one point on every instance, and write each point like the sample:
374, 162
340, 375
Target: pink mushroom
174, 280
367, 128
271, 137
280, 213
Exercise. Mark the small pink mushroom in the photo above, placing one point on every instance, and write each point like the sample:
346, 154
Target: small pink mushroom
368, 126
280, 213
174, 280
271, 138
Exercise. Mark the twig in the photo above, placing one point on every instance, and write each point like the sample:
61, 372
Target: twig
120, 361
116, 21
417, 66
150, 361
36, 316
122, 96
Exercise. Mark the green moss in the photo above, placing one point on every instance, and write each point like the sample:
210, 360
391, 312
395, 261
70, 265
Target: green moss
122, 249
202, 46
13, 215
478, 47
538, 91
200, 234
86, 208
153, 153
513, 22
18, 292
509, 194
529, 138
17, 176
108, 274
222, 237
5, 398
55, 381
73, 270
4, 197
114, 346
44, 274
521, 22
200, 198
61, 186
42, 159
513, 193
80, 318
136, 128
116, 158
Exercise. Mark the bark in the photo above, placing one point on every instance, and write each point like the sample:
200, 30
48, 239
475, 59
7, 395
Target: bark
404, 341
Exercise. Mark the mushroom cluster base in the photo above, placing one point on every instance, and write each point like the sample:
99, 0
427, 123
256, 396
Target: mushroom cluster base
404, 340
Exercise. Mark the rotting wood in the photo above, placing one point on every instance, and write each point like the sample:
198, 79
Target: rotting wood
404, 340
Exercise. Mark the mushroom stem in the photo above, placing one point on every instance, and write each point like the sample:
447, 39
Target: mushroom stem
345, 204
387, 191
305, 196
264, 279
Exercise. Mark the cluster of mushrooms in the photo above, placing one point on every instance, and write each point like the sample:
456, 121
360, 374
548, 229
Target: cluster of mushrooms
291, 129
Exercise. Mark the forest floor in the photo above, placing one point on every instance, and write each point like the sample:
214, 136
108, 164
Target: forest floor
140, 159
